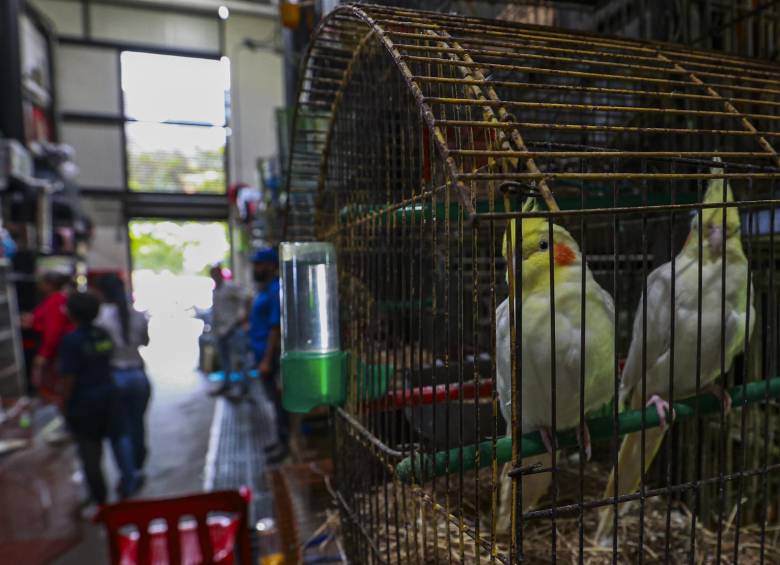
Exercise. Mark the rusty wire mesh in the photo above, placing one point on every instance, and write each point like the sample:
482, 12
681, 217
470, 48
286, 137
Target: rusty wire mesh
415, 139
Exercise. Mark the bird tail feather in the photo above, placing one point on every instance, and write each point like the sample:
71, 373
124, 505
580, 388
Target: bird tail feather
629, 474
535, 486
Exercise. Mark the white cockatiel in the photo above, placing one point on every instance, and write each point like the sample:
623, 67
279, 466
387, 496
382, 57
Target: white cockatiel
535, 351
658, 350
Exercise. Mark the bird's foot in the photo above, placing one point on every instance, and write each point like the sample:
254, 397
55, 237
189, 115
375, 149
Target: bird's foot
583, 434
547, 438
661, 407
721, 394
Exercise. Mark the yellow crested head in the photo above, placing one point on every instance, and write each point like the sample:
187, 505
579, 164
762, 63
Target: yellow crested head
715, 195
535, 245
718, 191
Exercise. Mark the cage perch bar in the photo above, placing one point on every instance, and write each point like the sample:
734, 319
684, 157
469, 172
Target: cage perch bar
423, 467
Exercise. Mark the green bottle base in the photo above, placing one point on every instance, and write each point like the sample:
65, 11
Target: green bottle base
310, 380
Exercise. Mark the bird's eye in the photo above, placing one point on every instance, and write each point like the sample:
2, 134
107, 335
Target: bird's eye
543, 245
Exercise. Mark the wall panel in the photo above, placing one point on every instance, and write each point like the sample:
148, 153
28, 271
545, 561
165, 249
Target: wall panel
155, 28
99, 153
88, 80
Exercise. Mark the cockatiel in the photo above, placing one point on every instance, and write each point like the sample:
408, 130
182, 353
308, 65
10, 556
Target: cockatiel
686, 313
535, 352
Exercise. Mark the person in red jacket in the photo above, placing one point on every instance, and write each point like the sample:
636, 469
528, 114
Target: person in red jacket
51, 321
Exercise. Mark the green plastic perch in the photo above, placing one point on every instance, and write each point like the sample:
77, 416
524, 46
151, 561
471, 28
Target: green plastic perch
422, 467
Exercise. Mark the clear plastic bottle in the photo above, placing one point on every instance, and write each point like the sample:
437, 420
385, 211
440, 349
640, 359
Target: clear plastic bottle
313, 365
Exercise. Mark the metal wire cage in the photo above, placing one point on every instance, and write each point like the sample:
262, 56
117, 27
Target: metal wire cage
420, 142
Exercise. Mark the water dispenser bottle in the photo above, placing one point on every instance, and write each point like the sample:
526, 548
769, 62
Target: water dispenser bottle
313, 365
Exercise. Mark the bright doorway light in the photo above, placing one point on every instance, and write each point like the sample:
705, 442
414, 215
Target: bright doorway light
171, 261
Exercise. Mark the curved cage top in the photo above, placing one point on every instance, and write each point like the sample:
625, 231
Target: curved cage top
416, 137
448, 100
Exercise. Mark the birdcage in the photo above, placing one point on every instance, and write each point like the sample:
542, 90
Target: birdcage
539, 232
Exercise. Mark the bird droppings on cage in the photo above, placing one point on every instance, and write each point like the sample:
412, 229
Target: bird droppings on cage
557, 267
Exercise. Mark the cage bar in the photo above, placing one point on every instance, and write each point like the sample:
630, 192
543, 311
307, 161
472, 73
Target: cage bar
504, 200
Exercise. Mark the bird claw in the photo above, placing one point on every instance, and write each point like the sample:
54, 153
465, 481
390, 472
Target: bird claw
661, 407
721, 394
583, 433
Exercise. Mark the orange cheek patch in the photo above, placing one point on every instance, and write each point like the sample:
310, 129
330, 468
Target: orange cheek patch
563, 255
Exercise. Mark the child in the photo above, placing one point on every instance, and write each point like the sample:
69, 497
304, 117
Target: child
91, 401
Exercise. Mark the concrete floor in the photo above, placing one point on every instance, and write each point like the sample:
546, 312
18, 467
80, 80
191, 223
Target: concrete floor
178, 423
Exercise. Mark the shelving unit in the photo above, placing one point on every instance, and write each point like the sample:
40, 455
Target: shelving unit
11, 358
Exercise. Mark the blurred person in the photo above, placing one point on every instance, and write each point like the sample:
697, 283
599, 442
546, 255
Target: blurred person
92, 405
228, 317
50, 321
129, 330
265, 339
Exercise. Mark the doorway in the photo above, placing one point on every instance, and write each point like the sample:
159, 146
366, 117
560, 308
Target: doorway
170, 275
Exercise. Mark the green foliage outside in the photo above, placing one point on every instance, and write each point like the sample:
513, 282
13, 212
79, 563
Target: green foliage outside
178, 247
173, 171
151, 252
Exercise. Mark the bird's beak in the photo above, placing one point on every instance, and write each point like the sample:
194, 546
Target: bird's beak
715, 238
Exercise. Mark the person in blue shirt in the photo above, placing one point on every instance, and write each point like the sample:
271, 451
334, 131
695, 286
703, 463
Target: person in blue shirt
265, 340
92, 407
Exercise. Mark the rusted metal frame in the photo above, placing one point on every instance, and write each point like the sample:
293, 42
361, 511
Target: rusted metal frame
488, 53
475, 91
322, 47
688, 160
587, 40
626, 210
591, 75
509, 29
369, 216
325, 80
494, 100
602, 108
327, 92
338, 29
722, 60
425, 110
457, 522
517, 140
514, 256
376, 451
337, 58
460, 525
609, 154
730, 108
589, 127
754, 11
519, 40
347, 510
321, 69
769, 360
294, 125
545, 34
535, 56
311, 131
539, 46
544, 47
649, 493
595, 89
339, 95
344, 30
743, 462
623, 176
